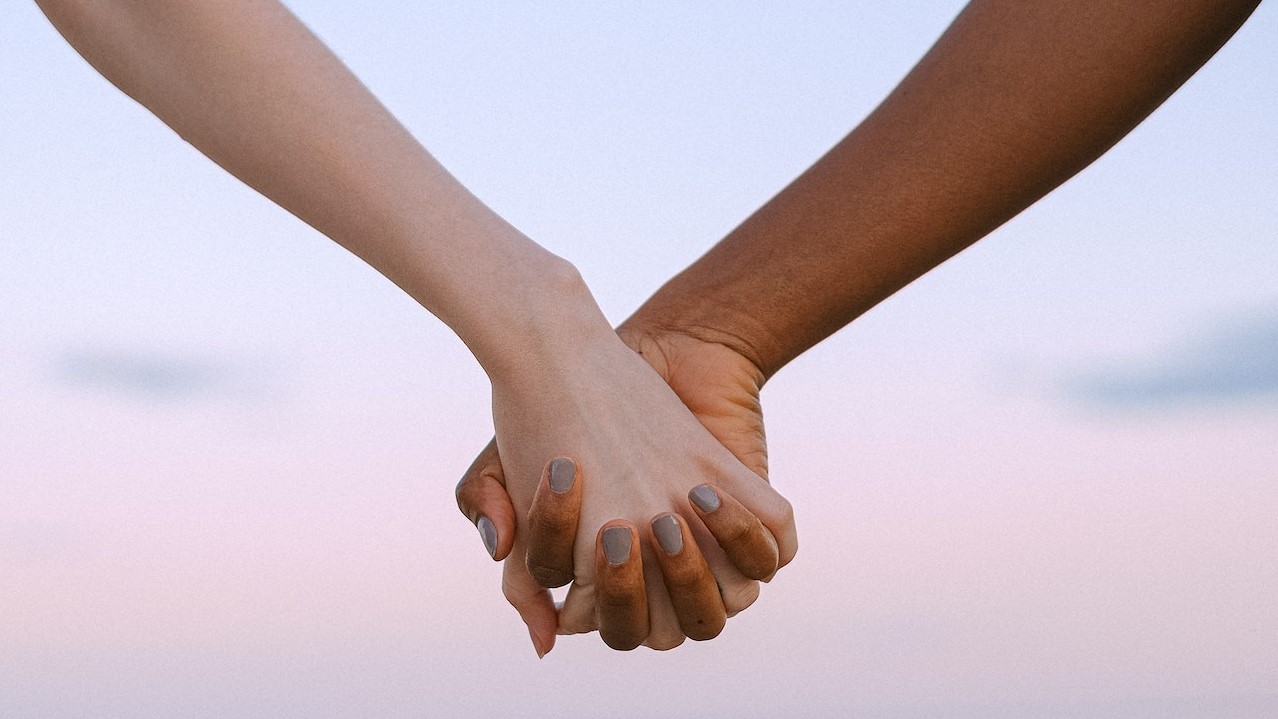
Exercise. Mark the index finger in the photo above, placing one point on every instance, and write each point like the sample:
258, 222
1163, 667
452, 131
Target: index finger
552, 523
747, 542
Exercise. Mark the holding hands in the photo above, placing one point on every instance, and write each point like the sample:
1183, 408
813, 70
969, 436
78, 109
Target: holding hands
668, 534
253, 89
632, 463
1014, 99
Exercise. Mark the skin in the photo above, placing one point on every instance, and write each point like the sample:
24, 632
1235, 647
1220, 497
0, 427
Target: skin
246, 84
721, 389
1013, 100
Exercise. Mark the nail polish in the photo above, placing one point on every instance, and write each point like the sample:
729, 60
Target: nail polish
488, 533
563, 473
669, 534
616, 545
704, 496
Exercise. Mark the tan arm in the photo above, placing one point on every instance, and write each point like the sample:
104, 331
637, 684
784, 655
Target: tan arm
1014, 99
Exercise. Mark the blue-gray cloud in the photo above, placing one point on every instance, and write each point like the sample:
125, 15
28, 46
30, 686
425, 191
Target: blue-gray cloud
1232, 364
145, 375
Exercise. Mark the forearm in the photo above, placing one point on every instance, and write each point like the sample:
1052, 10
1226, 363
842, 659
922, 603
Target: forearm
1014, 99
249, 86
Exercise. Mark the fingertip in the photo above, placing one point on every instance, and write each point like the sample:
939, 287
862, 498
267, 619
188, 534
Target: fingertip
481, 496
621, 600
552, 523
535, 606
788, 549
576, 613
665, 643
786, 534
617, 542
690, 584
542, 641
495, 524
487, 534
774, 511
667, 529
561, 475
704, 499
619, 642
707, 632
749, 543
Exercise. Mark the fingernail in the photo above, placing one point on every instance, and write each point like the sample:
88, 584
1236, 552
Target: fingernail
704, 496
616, 543
669, 535
563, 472
488, 533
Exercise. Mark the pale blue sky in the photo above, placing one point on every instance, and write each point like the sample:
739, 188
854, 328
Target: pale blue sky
1039, 482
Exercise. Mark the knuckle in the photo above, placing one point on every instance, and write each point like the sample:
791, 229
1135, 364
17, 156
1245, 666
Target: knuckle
738, 596
472, 490
554, 523
514, 596
622, 641
547, 575
464, 494
616, 602
785, 513
619, 594
574, 625
682, 576
664, 641
738, 531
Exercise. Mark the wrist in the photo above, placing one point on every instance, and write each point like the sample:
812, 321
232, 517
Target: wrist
675, 349
551, 314
694, 327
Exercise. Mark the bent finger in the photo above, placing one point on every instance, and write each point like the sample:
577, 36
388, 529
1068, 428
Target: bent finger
775, 511
481, 496
689, 581
534, 604
577, 612
552, 523
747, 542
621, 599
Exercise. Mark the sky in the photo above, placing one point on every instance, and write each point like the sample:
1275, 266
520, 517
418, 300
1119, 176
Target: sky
1039, 482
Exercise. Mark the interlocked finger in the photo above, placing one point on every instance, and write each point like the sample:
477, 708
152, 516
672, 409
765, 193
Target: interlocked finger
552, 524
621, 598
747, 542
691, 585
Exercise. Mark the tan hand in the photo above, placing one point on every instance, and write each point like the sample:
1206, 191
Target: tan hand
721, 389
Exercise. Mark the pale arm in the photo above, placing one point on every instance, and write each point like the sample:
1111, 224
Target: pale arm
244, 82
250, 87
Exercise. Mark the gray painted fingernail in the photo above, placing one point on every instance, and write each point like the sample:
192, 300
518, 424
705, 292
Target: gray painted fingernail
563, 472
616, 543
704, 496
669, 535
488, 533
